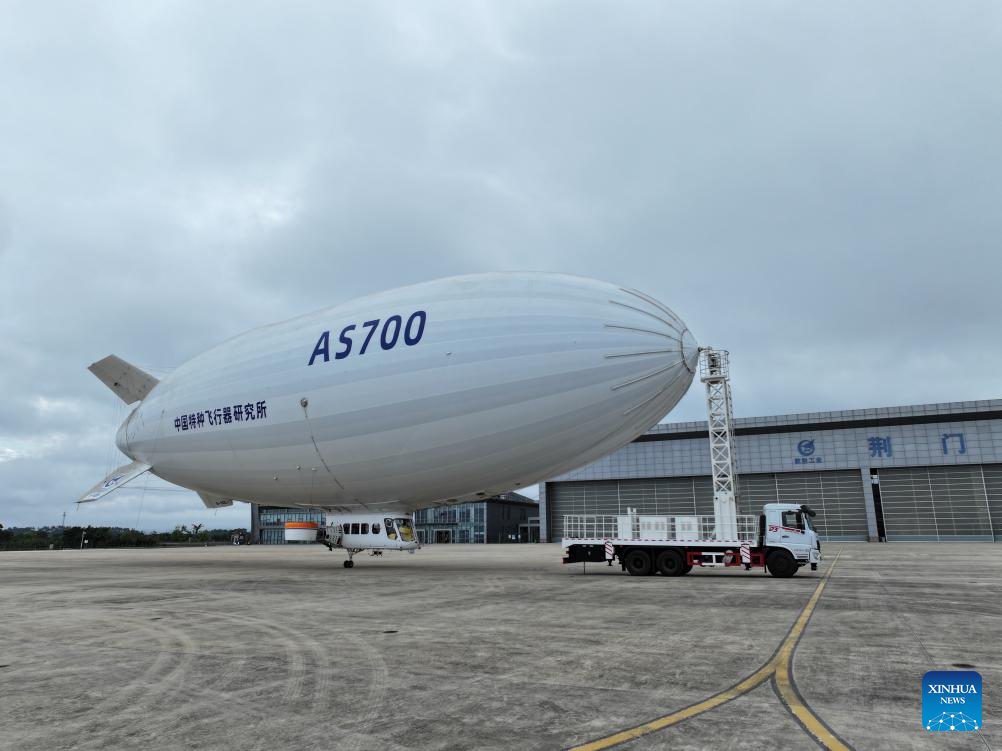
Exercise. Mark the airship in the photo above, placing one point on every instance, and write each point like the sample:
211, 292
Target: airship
440, 392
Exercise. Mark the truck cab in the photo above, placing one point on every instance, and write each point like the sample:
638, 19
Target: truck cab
787, 534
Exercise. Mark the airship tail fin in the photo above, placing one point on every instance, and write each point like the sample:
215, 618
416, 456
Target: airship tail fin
128, 382
115, 480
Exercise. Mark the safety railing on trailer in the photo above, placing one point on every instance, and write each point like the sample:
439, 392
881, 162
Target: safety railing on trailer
747, 528
642, 527
591, 526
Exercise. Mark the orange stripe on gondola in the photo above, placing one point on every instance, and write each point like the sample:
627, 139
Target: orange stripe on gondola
302, 525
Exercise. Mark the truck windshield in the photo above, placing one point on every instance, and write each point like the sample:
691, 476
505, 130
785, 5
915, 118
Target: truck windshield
794, 519
807, 522
406, 530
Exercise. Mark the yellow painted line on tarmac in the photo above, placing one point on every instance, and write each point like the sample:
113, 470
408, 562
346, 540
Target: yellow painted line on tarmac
787, 689
674, 718
780, 666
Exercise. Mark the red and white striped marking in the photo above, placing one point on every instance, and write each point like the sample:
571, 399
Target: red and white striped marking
745, 553
609, 551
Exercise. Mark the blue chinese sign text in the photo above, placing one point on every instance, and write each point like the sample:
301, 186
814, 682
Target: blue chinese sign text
222, 416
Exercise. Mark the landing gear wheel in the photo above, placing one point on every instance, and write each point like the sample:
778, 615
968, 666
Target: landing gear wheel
349, 564
781, 564
670, 563
637, 563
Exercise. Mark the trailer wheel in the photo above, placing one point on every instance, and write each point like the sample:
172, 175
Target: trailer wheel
686, 568
637, 563
781, 564
670, 563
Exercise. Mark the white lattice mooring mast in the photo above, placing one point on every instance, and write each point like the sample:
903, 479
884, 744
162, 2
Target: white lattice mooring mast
713, 371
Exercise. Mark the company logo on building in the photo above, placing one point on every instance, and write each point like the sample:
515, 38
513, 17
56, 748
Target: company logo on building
806, 450
951, 700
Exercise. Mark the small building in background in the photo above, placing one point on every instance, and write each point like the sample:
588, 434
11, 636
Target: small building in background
509, 517
268, 522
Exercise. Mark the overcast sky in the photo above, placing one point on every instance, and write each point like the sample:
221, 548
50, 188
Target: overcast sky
815, 186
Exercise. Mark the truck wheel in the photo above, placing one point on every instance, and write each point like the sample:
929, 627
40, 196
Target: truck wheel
637, 563
781, 564
686, 568
670, 563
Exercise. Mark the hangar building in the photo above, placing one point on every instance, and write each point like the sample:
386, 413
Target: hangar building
926, 472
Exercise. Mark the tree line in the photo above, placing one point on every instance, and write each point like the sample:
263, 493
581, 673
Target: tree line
41, 538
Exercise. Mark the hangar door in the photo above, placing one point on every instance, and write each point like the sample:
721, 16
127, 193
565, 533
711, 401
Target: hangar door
837, 497
672, 496
941, 503
993, 490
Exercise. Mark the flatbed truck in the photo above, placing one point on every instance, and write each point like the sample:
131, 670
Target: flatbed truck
781, 539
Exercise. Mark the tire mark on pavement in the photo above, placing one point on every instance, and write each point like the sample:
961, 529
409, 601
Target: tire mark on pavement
779, 668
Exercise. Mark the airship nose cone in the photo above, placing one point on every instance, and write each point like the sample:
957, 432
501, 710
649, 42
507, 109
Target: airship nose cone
690, 351
654, 353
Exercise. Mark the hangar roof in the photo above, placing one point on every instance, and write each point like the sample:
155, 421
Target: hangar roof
986, 409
